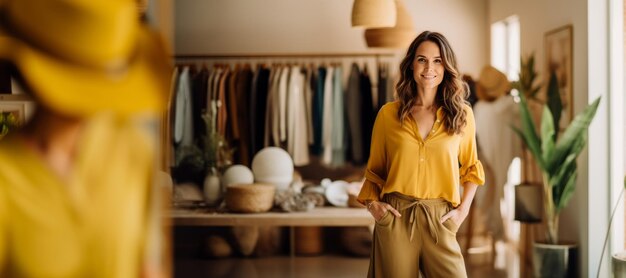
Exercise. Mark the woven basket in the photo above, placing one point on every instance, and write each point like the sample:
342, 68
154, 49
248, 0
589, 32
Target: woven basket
248, 198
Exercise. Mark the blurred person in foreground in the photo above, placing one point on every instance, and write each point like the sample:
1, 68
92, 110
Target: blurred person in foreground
76, 194
423, 149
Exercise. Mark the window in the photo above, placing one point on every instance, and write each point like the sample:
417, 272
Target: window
505, 46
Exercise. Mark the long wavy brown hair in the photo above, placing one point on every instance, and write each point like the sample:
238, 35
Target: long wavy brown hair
451, 93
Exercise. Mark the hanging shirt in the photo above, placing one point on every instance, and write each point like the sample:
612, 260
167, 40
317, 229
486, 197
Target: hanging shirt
283, 87
327, 118
183, 121
95, 224
221, 104
243, 91
368, 114
338, 133
232, 120
297, 138
400, 161
318, 111
258, 103
309, 82
212, 92
198, 96
355, 114
271, 109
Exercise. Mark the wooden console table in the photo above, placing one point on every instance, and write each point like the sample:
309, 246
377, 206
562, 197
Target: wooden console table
320, 216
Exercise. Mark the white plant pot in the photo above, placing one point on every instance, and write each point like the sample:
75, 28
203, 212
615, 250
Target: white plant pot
619, 264
555, 260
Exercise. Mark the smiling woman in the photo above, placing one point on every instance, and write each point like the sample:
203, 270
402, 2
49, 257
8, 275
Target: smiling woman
427, 66
423, 148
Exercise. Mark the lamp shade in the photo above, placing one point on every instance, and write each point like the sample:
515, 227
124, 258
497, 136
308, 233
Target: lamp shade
373, 13
398, 36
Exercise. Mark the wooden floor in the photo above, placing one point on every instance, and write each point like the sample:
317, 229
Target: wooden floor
479, 263
282, 266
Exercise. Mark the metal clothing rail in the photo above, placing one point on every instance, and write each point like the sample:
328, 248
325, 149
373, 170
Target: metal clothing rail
284, 55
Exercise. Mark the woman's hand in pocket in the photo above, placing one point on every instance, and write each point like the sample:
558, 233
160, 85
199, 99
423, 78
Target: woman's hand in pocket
378, 209
456, 215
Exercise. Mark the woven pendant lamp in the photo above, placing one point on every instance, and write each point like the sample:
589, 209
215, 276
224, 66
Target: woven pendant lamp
142, 6
373, 13
399, 36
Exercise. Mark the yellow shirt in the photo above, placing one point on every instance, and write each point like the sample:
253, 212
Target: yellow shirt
93, 225
400, 161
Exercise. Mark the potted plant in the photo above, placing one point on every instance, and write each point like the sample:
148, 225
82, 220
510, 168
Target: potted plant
217, 156
557, 161
204, 161
619, 258
528, 194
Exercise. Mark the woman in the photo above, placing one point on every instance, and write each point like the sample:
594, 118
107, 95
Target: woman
423, 148
75, 184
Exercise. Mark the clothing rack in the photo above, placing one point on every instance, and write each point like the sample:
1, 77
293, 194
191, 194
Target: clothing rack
284, 55
345, 64
378, 56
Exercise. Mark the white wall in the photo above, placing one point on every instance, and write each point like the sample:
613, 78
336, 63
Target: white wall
585, 219
463, 22
252, 26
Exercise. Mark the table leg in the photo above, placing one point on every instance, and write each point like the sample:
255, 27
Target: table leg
292, 241
292, 250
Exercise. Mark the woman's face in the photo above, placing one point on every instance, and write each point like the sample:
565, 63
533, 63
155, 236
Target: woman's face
428, 69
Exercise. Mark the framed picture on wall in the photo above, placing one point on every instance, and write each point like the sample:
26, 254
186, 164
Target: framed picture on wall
12, 115
558, 45
17, 110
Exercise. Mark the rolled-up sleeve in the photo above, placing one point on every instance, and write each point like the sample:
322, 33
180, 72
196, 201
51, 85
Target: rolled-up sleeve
376, 171
471, 170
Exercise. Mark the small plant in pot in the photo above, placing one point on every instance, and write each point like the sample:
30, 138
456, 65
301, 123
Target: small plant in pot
557, 161
218, 155
204, 161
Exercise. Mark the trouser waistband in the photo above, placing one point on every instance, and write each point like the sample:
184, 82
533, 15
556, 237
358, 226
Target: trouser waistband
415, 205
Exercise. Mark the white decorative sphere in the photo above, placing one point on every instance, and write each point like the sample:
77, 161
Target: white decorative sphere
273, 165
237, 174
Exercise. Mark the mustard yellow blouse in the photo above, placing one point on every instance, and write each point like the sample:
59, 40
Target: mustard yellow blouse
95, 224
400, 161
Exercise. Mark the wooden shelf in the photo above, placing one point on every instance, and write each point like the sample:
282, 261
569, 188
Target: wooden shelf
15, 97
323, 216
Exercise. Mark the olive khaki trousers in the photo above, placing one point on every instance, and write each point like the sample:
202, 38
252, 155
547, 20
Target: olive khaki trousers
416, 241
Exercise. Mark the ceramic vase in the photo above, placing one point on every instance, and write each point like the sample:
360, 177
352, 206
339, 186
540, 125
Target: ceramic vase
212, 188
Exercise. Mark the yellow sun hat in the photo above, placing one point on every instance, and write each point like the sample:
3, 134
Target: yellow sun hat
80, 57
